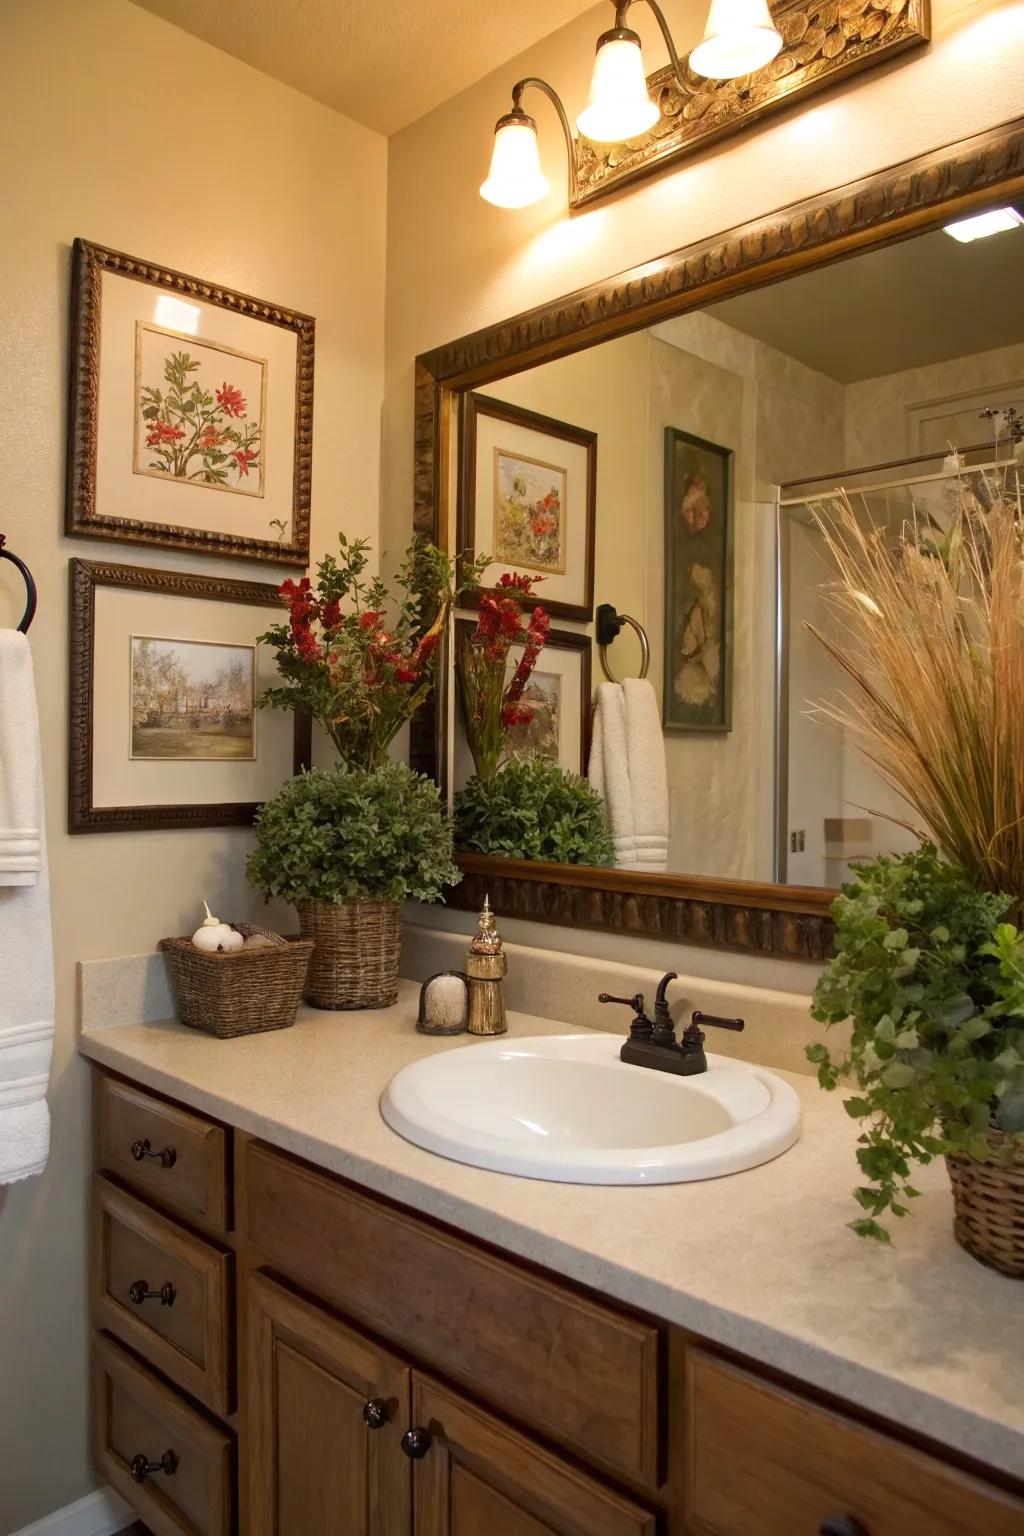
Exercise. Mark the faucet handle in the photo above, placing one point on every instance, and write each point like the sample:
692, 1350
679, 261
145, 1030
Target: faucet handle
641, 1027
699, 1018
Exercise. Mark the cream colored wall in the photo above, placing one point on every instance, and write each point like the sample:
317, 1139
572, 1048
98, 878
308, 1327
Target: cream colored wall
123, 129
922, 410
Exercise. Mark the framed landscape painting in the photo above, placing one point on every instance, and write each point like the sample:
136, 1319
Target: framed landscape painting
558, 696
527, 496
166, 671
698, 584
191, 412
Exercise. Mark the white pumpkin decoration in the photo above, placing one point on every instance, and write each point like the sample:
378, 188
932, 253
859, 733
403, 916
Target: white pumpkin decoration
216, 936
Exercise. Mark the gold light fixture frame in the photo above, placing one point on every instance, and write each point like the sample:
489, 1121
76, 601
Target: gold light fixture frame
824, 41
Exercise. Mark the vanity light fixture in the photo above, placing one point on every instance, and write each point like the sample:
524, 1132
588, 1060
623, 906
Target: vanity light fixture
981, 225
740, 37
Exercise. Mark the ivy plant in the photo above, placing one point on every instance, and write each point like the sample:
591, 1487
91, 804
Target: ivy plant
932, 979
351, 834
533, 809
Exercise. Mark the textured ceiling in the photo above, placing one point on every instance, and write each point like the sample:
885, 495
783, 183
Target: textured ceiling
922, 301
383, 62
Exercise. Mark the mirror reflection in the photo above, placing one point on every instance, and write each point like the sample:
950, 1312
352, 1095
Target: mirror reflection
661, 498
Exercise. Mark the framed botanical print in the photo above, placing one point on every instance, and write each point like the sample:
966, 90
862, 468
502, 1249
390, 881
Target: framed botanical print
191, 413
166, 670
698, 584
527, 496
558, 696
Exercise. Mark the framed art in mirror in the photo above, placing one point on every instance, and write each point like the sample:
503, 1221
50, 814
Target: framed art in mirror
527, 496
881, 210
557, 696
698, 584
164, 729
191, 412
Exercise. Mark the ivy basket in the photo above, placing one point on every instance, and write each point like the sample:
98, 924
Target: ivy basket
988, 1203
356, 950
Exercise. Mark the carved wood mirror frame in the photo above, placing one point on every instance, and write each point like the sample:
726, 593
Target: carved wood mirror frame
908, 199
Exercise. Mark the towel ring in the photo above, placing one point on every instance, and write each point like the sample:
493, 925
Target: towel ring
609, 624
32, 595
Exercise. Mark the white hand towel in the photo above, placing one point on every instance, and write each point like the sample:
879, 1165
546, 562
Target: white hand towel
627, 768
20, 801
648, 775
26, 945
609, 770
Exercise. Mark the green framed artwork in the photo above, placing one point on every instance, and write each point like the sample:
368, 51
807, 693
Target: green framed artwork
698, 583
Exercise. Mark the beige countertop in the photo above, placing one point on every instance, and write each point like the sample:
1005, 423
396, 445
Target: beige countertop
762, 1261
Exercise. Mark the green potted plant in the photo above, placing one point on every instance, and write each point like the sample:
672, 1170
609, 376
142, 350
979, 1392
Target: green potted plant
533, 809
346, 846
517, 807
929, 963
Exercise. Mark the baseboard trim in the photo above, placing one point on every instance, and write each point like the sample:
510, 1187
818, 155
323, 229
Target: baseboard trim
102, 1513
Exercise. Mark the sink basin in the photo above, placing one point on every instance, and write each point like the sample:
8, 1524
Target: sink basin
564, 1107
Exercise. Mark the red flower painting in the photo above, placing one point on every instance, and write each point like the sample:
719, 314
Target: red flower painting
198, 433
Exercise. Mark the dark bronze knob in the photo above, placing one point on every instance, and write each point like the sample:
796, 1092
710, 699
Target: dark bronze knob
841, 1525
416, 1443
141, 1468
375, 1413
139, 1291
166, 1157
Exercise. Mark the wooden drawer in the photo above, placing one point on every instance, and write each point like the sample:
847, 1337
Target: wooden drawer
136, 1415
760, 1459
184, 1331
584, 1373
175, 1156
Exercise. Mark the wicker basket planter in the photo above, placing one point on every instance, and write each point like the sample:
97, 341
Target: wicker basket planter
356, 948
988, 1202
243, 992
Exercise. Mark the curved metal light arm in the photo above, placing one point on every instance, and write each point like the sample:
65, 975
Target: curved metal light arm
556, 101
621, 13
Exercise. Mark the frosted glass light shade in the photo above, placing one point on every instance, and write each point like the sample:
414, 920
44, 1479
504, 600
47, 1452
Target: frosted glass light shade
515, 179
619, 106
740, 37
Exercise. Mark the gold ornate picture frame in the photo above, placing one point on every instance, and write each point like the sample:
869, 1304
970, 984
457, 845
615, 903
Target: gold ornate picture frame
180, 387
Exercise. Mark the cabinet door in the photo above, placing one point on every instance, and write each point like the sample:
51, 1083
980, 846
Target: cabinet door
324, 1414
477, 1477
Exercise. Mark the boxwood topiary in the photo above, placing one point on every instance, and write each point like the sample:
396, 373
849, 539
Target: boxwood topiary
533, 809
348, 834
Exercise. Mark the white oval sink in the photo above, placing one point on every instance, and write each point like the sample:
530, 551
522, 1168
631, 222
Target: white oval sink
564, 1107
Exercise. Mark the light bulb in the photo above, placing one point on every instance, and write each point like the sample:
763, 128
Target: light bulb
740, 37
620, 106
515, 179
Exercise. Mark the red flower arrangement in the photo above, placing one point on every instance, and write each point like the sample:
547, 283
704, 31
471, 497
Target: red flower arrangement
491, 706
342, 663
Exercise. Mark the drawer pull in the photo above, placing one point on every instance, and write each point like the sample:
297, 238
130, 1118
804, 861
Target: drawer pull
139, 1291
375, 1413
166, 1157
416, 1443
843, 1525
141, 1468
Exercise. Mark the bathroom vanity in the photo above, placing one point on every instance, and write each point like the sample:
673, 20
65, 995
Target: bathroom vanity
306, 1326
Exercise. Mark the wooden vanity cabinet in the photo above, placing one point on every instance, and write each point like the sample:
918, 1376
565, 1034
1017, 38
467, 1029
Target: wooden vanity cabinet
394, 1378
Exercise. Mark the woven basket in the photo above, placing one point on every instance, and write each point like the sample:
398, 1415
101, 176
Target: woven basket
988, 1204
355, 954
241, 992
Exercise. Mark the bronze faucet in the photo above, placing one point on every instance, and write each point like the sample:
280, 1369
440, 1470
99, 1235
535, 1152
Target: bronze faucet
653, 1043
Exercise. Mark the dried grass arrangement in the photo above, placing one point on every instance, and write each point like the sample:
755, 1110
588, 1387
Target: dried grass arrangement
935, 656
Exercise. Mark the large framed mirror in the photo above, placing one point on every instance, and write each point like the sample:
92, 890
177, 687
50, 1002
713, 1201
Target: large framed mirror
716, 398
